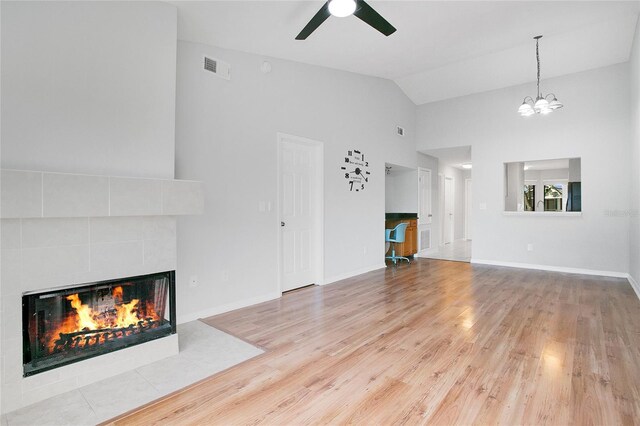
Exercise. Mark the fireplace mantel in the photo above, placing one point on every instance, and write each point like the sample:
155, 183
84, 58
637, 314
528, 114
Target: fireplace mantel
38, 194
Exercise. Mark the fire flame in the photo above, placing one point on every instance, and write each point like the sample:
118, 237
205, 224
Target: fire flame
120, 316
87, 319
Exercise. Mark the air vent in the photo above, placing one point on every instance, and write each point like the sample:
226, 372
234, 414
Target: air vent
400, 131
425, 239
217, 67
210, 64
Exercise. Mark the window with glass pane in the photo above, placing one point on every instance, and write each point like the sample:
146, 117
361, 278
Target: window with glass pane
553, 197
529, 198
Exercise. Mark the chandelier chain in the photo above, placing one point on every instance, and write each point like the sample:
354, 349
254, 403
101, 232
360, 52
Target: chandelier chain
538, 61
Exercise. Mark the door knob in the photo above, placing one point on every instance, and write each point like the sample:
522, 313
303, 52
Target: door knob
281, 223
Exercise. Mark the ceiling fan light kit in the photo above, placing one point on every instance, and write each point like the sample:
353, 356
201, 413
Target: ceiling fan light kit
343, 8
542, 104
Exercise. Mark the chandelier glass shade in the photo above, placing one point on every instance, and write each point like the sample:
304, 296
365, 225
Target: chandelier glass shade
542, 104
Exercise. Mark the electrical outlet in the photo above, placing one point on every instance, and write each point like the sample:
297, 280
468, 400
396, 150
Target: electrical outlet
225, 275
483, 206
193, 281
529, 247
364, 250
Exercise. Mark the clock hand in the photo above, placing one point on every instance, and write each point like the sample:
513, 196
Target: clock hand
359, 172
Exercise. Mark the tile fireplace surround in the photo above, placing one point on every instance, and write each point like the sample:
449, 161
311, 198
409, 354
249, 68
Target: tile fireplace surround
63, 229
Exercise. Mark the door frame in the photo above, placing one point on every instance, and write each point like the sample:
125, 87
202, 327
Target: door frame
467, 206
424, 169
452, 227
423, 226
319, 223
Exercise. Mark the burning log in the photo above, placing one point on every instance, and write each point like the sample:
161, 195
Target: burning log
106, 335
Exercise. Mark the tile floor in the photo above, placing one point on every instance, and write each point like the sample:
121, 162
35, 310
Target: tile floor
458, 250
204, 351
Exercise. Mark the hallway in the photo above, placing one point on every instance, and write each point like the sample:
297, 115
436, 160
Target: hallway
458, 251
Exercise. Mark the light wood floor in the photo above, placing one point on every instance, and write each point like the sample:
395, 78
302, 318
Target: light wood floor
432, 342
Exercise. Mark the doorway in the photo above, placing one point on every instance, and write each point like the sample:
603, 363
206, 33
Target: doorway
300, 212
452, 197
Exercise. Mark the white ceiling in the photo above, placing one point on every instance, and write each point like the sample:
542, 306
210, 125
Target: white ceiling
442, 49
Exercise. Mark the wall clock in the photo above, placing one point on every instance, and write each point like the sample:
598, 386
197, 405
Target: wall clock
356, 170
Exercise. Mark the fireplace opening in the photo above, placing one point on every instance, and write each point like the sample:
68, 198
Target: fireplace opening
68, 325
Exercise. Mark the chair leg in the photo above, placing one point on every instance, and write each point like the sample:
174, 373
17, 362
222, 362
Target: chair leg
395, 258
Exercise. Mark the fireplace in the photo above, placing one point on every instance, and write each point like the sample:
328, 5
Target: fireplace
67, 325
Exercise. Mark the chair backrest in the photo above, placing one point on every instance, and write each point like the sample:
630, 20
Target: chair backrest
399, 232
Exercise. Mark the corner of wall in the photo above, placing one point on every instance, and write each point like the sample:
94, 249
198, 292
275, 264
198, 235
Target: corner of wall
634, 213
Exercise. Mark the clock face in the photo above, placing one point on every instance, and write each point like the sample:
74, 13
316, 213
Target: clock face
356, 170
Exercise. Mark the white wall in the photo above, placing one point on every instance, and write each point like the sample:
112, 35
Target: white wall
634, 235
89, 87
226, 137
594, 125
401, 192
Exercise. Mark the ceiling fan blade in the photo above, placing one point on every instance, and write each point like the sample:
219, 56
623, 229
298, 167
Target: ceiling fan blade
315, 22
373, 18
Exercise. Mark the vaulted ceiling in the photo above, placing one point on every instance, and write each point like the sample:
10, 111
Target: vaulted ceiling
442, 49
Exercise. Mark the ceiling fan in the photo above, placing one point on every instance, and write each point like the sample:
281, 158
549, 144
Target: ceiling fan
342, 8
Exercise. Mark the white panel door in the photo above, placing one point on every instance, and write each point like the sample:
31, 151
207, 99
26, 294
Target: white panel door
298, 213
448, 211
424, 197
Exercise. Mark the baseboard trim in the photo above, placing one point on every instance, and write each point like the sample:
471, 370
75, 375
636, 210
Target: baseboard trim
551, 268
228, 307
352, 274
634, 285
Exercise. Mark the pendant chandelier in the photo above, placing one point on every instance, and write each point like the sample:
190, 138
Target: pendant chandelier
543, 104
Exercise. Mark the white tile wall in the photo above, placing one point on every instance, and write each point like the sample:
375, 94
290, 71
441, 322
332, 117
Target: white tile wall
27, 194
42, 253
10, 234
54, 232
135, 197
159, 228
10, 259
21, 194
47, 266
67, 195
125, 256
111, 229
160, 253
